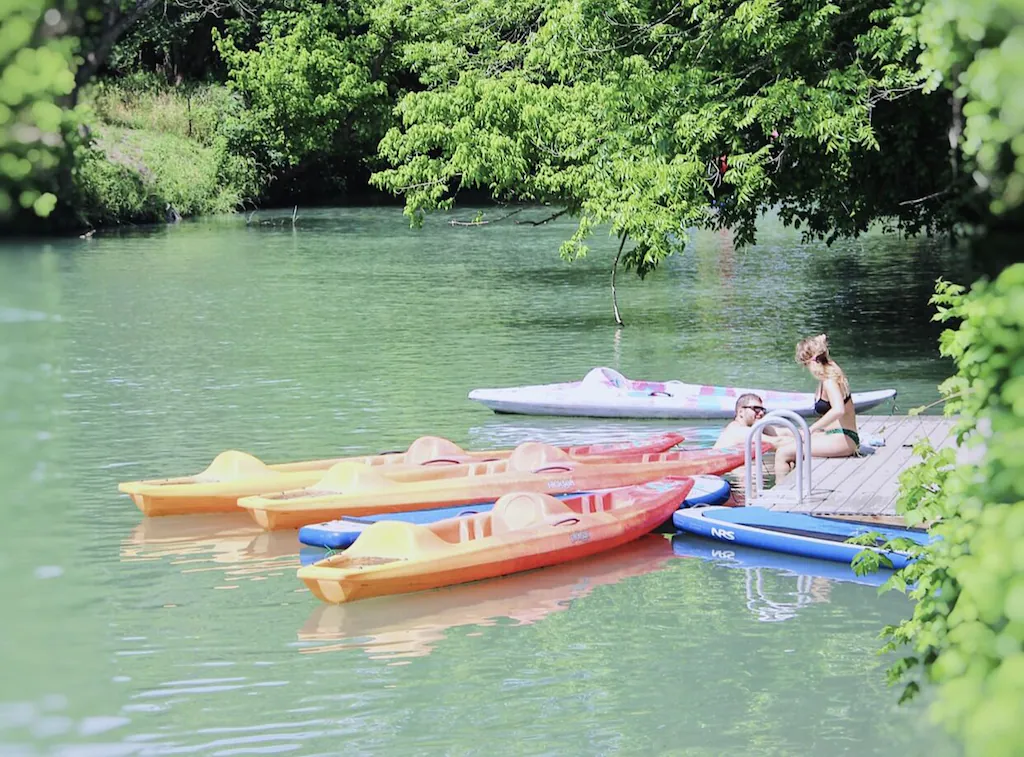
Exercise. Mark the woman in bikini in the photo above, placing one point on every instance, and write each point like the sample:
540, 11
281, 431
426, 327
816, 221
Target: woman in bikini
835, 432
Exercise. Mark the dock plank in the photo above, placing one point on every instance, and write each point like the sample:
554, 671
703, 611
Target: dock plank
879, 472
863, 486
857, 490
847, 475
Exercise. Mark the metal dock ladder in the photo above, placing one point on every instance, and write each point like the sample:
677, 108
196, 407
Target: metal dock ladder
754, 457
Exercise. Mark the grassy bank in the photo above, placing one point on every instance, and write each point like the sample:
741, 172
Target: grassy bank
157, 148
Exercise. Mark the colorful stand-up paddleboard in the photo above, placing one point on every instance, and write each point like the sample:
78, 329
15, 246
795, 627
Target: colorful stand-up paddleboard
525, 530
792, 533
606, 393
233, 474
341, 533
349, 489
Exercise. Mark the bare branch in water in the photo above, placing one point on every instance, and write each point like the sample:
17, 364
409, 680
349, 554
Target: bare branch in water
482, 222
543, 221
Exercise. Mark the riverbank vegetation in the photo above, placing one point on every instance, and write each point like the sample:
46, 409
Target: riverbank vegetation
642, 118
158, 151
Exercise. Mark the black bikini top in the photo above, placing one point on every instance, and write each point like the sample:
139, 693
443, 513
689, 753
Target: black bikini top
822, 405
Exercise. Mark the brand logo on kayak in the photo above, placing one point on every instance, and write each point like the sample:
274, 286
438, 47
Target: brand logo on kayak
721, 533
579, 537
562, 483
728, 554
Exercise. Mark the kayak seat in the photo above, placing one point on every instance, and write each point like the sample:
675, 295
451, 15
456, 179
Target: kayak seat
519, 510
428, 448
396, 540
233, 465
348, 477
603, 377
537, 457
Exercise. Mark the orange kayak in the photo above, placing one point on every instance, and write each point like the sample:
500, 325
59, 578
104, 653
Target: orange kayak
233, 474
411, 625
525, 530
348, 489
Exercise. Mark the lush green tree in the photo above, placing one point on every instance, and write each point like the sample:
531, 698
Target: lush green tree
976, 49
35, 75
655, 116
316, 86
967, 631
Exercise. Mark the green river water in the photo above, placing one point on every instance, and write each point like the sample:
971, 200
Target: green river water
145, 353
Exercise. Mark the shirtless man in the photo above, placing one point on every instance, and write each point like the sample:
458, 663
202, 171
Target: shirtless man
749, 411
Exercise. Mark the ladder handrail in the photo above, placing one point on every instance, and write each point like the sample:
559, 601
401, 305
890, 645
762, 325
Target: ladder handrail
794, 416
753, 444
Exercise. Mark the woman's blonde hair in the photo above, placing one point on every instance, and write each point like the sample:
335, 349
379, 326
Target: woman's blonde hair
813, 352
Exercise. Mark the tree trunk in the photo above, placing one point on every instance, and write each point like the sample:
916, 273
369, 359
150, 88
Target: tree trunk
97, 56
615, 267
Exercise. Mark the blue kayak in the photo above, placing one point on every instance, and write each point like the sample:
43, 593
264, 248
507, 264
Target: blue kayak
792, 533
341, 533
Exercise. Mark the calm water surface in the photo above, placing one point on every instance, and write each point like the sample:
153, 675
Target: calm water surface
145, 354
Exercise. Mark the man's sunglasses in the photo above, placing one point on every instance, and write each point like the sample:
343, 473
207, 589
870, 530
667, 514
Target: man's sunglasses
757, 409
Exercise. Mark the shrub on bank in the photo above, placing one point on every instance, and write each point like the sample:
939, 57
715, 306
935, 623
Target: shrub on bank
155, 148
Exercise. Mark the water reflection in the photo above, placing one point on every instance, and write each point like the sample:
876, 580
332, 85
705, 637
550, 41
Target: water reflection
501, 431
410, 625
229, 543
777, 586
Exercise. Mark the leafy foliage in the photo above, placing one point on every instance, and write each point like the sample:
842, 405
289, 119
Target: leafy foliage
977, 49
315, 88
967, 631
654, 117
35, 132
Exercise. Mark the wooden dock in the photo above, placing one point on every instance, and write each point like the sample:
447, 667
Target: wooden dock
863, 487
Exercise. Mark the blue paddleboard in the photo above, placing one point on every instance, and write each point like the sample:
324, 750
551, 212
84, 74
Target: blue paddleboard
792, 533
341, 533
707, 490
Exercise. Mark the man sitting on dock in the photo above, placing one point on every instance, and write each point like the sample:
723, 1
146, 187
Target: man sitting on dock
749, 410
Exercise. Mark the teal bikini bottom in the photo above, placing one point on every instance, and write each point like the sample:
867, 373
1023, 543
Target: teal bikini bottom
852, 434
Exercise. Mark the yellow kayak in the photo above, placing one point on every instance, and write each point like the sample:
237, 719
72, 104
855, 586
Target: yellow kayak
353, 490
233, 474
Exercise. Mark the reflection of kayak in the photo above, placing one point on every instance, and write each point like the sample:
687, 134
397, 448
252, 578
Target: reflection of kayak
409, 626
606, 393
341, 533
349, 489
736, 556
231, 543
792, 533
235, 474
525, 530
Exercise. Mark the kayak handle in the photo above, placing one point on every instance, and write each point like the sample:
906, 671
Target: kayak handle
445, 460
553, 468
660, 394
566, 522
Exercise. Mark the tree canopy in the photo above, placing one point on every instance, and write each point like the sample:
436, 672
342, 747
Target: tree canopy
657, 116
35, 74
646, 117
